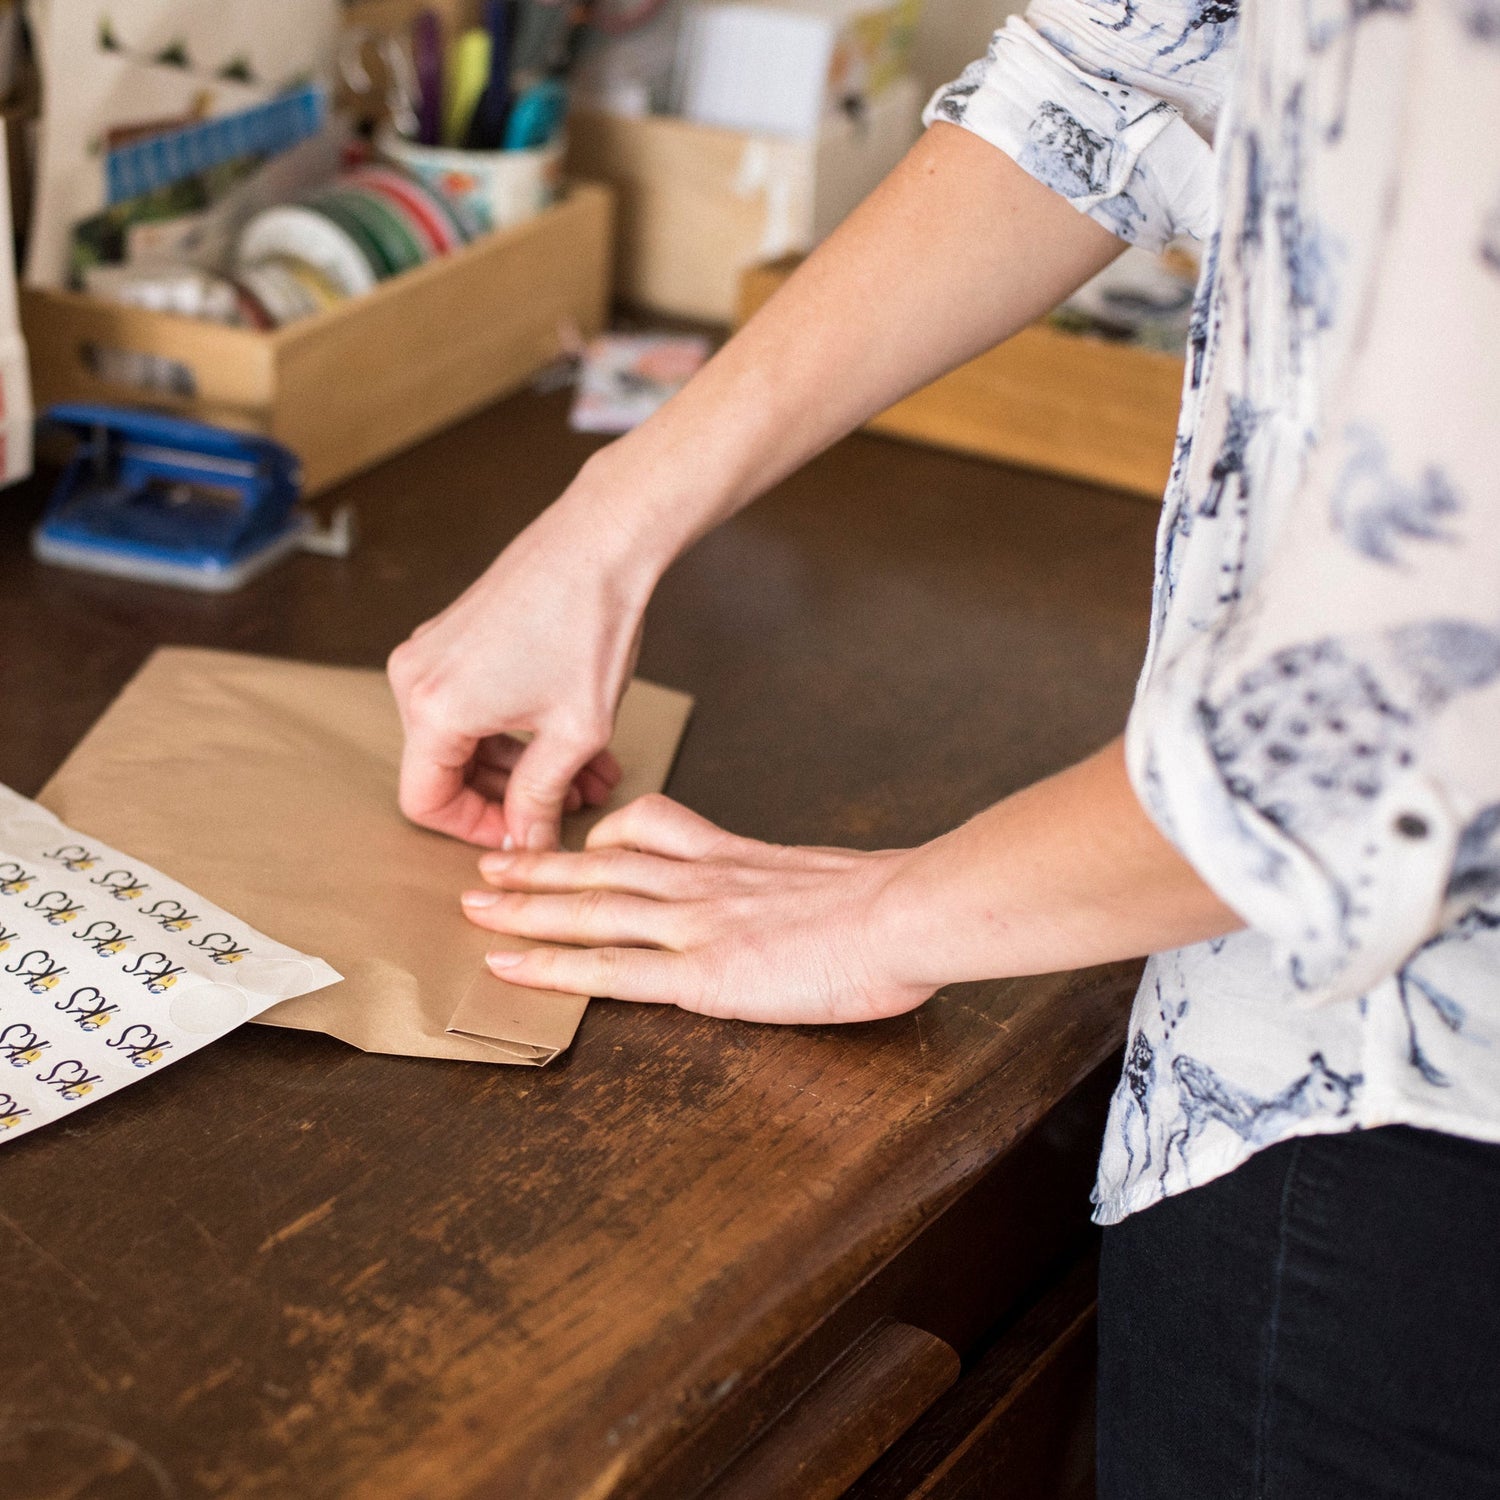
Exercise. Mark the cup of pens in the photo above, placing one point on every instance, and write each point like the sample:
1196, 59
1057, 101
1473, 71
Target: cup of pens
486, 126
490, 189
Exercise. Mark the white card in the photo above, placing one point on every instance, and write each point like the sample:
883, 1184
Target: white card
110, 970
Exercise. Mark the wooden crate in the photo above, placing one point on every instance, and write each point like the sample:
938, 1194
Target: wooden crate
700, 205
355, 384
1064, 402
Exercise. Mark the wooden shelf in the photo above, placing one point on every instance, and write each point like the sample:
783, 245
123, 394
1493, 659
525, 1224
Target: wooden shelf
1067, 403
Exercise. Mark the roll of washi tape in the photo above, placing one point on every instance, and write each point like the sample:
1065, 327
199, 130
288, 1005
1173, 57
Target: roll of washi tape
253, 312
278, 291
440, 174
433, 209
332, 207
464, 225
317, 286
438, 229
298, 233
403, 245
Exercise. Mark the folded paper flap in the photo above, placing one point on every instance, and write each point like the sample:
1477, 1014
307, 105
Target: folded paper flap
492, 1010
511, 1052
235, 703
269, 787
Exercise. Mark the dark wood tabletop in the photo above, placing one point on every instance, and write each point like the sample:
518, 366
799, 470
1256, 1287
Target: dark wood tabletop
284, 1268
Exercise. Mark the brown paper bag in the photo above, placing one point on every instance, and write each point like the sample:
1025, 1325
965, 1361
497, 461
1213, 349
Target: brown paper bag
269, 787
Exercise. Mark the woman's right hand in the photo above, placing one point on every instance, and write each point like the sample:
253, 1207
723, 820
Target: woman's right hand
508, 697
956, 250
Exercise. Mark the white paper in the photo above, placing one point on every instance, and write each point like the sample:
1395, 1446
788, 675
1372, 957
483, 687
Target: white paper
755, 67
110, 970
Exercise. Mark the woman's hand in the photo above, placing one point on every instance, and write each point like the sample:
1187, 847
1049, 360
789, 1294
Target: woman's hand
965, 248
663, 906
508, 697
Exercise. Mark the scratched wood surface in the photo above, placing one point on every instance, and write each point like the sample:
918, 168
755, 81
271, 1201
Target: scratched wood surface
286, 1268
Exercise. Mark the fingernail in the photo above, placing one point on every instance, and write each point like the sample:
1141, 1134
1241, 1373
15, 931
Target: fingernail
479, 898
494, 864
502, 959
507, 843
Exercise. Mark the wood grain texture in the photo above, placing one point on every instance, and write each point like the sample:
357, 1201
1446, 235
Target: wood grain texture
1064, 403
283, 1267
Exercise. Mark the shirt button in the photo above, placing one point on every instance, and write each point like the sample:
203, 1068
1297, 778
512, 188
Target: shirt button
1410, 826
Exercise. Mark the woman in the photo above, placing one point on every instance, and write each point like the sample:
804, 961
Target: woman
1300, 1291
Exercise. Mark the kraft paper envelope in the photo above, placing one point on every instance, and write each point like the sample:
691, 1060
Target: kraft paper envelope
269, 787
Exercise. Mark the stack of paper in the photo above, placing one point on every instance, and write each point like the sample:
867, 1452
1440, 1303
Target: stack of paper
778, 66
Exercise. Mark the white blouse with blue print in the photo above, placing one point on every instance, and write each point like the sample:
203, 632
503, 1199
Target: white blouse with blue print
1317, 724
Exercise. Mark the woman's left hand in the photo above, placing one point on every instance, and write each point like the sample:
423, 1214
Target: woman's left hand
663, 906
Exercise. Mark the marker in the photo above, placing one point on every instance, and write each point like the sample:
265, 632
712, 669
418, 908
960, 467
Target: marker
487, 128
537, 116
427, 60
468, 71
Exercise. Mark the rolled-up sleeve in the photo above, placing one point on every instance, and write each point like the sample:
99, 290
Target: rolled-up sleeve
1111, 106
1326, 753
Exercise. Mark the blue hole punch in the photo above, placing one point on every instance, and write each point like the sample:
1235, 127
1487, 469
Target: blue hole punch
165, 500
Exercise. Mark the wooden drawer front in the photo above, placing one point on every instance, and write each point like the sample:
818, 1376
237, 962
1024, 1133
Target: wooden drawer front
970, 1271
1019, 1425
847, 1420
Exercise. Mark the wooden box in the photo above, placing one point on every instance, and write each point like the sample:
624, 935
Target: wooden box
355, 384
700, 205
1069, 403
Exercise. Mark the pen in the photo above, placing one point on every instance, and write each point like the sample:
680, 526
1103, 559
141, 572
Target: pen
537, 114
487, 128
468, 71
427, 60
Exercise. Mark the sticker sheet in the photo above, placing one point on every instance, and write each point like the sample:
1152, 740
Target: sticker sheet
110, 970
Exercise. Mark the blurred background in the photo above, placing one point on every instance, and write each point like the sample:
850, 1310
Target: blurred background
339, 227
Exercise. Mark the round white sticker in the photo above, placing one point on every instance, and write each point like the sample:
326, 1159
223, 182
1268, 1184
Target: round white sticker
208, 1009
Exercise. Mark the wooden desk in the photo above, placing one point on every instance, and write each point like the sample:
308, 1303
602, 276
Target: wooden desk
286, 1269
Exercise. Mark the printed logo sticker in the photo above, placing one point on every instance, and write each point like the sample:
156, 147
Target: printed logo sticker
73, 857
123, 885
37, 970
57, 907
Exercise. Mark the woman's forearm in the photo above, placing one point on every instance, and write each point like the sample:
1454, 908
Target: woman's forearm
1066, 873
955, 251
512, 690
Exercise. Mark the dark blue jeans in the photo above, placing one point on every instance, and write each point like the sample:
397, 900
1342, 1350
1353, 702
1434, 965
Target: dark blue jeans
1323, 1323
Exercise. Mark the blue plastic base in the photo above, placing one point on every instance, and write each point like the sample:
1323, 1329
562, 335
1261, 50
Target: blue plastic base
64, 547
